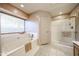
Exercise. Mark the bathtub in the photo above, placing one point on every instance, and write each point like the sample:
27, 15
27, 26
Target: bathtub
68, 50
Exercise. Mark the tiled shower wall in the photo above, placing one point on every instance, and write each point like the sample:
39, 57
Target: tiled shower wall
75, 13
61, 31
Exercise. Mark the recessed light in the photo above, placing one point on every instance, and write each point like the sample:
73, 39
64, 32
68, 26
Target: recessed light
60, 12
22, 5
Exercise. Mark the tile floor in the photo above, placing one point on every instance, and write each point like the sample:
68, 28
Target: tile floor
47, 50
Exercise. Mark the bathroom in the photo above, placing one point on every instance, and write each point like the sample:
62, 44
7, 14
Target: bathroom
38, 29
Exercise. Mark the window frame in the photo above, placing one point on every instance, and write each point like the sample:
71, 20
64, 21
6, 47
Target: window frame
15, 17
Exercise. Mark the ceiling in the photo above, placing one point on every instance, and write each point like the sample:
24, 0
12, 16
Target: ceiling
53, 8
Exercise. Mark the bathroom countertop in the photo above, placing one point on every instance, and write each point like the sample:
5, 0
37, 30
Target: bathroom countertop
76, 42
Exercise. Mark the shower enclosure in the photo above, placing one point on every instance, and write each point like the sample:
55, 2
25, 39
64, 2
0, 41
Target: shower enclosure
63, 34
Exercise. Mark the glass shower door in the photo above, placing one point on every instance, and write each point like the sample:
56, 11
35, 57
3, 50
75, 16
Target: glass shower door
63, 35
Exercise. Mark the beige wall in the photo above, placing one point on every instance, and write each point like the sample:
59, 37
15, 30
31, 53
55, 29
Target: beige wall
60, 17
43, 19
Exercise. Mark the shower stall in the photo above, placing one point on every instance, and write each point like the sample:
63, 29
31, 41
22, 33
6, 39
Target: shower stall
63, 34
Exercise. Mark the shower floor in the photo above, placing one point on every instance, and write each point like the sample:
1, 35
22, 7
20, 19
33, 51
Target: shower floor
47, 50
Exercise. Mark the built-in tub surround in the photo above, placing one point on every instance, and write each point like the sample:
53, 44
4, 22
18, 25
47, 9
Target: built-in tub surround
14, 44
11, 42
21, 51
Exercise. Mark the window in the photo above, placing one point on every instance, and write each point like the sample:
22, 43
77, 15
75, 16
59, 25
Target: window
31, 26
10, 24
